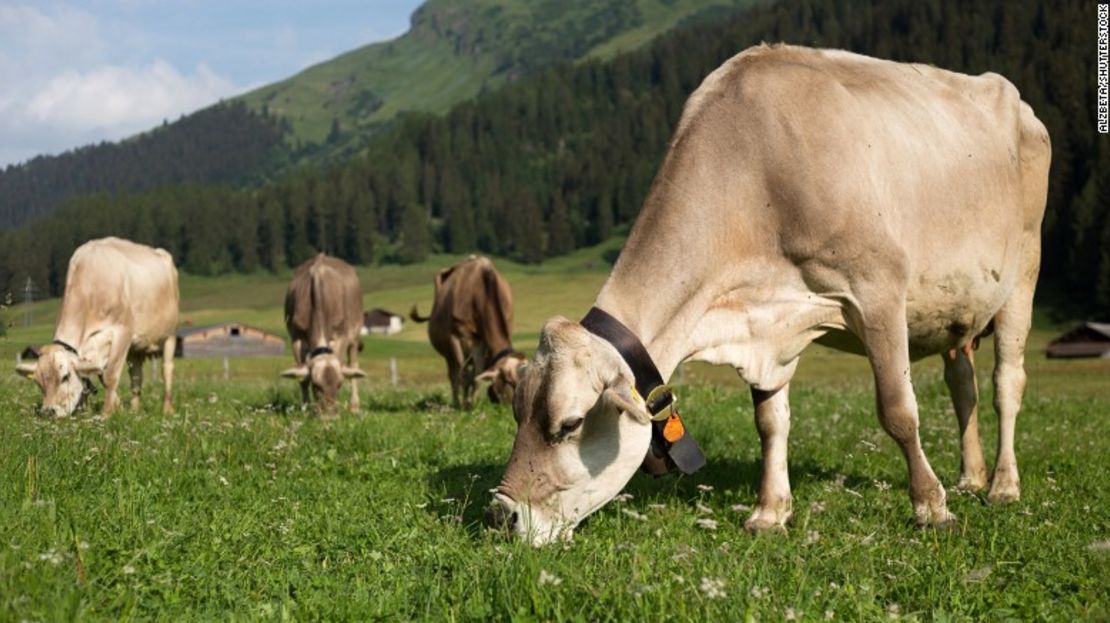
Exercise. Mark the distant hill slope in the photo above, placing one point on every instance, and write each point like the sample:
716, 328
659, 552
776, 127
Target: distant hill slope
455, 50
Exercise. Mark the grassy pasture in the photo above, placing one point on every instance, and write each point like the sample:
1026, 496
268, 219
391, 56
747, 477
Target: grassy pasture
242, 506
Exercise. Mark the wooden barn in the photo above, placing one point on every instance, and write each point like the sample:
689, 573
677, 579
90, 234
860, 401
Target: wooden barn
1090, 339
230, 339
382, 322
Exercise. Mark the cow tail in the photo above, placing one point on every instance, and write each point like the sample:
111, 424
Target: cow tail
415, 315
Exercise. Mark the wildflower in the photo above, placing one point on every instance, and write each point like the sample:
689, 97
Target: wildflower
828, 615
223, 481
713, 588
881, 485
894, 610
703, 509
706, 524
128, 570
740, 508
758, 592
977, 575
549, 578
633, 514
816, 507
705, 488
621, 498
790, 615
812, 536
657, 507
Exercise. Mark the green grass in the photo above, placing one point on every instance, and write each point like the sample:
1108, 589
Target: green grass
241, 506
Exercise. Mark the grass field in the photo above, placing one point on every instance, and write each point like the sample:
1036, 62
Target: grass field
242, 506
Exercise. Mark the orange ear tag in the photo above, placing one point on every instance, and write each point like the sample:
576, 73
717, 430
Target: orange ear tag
673, 430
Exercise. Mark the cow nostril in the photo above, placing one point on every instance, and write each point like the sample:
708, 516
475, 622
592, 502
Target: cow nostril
498, 517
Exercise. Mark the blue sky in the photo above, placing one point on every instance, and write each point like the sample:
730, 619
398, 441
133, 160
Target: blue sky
72, 73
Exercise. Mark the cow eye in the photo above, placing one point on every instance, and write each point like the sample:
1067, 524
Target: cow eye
570, 426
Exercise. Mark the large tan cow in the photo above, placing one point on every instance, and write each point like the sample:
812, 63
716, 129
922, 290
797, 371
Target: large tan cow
887, 209
119, 305
323, 313
471, 326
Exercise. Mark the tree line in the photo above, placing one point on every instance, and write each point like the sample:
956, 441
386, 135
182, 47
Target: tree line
564, 158
225, 143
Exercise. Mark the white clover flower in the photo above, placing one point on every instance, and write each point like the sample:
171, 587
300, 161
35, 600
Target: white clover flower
758, 592
706, 523
633, 514
547, 579
703, 509
713, 588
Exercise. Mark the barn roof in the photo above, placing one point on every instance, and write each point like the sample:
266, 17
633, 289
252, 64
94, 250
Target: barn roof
187, 331
1090, 339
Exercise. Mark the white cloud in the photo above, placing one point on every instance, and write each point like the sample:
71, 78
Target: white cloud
124, 99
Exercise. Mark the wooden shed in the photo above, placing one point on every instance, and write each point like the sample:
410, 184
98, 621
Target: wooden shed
382, 322
230, 339
1090, 339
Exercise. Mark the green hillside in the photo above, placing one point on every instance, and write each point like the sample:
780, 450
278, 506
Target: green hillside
458, 49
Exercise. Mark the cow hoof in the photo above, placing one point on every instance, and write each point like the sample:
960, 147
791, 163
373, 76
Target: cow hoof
939, 518
972, 484
1000, 495
767, 523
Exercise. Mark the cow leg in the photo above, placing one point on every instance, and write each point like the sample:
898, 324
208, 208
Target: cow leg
117, 357
772, 420
887, 342
456, 368
352, 361
169, 349
959, 375
1011, 328
135, 368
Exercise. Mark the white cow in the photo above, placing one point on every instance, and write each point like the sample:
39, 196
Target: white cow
120, 305
887, 209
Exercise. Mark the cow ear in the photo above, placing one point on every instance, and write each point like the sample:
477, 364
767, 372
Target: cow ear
353, 373
487, 377
299, 373
624, 397
26, 370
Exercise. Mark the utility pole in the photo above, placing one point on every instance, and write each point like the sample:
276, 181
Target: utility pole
28, 298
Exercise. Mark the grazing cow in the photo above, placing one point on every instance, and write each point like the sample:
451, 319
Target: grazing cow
323, 313
119, 305
471, 326
891, 210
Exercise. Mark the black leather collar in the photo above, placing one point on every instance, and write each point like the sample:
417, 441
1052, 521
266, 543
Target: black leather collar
683, 453
501, 354
320, 350
65, 346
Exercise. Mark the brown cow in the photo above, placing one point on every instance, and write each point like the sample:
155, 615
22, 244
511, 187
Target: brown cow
471, 326
120, 305
323, 313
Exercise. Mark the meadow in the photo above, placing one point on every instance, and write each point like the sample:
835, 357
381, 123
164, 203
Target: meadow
243, 506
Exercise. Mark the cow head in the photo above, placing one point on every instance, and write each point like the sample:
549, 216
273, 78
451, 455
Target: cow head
61, 373
503, 377
581, 433
325, 373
